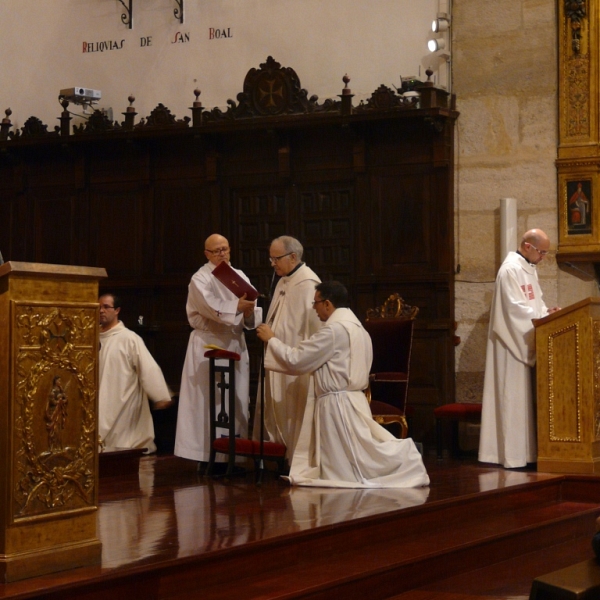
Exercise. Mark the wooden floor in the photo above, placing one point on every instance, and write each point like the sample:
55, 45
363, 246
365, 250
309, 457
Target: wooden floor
478, 532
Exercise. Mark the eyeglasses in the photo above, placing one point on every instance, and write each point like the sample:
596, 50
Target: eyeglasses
540, 252
317, 301
274, 259
106, 306
218, 251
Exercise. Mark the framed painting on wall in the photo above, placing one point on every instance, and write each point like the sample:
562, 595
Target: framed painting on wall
579, 207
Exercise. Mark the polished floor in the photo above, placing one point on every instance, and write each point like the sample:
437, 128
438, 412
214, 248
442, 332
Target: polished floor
170, 513
178, 513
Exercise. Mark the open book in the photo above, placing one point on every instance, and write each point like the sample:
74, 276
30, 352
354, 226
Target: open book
233, 282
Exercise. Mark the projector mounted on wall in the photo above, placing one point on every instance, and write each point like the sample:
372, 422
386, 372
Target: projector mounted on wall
80, 95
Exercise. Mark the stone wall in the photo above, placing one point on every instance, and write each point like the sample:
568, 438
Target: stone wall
505, 79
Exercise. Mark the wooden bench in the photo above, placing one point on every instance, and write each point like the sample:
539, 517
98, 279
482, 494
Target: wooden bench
458, 412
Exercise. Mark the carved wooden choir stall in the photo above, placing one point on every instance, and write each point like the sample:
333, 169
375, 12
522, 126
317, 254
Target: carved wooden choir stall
366, 186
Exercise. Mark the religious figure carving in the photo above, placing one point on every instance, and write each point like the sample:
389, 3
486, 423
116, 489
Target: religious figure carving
575, 10
56, 414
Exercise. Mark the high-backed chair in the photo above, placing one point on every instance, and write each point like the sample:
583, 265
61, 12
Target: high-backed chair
391, 329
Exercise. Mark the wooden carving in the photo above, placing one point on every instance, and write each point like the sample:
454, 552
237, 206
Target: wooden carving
393, 308
54, 423
97, 123
596, 346
575, 12
161, 117
564, 342
268, 91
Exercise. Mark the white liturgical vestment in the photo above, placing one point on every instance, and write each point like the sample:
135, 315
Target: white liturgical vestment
292, 318
340, 445
212, 312
508, 423
128, 376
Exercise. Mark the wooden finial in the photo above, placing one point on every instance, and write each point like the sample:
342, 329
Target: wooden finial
346, 91
197, 93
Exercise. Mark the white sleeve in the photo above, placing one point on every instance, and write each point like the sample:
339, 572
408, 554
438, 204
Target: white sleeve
307, 357
150, 374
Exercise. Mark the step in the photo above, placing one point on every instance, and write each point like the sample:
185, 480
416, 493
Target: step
380, 556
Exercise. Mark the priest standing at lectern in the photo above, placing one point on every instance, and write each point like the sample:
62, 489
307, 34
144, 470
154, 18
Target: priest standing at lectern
508, 420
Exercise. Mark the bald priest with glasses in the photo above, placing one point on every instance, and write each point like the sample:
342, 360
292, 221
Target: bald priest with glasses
218, 317
508, 420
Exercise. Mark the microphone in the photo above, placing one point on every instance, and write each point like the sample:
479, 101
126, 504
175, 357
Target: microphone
1, 259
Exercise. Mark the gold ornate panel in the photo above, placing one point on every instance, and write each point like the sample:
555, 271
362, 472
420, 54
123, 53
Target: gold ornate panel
576, 75
564, 385
54, 375
578, 164
596, 367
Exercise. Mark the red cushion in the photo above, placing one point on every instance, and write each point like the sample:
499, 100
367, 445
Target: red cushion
383, 408
249, 447
458, 410
222, 354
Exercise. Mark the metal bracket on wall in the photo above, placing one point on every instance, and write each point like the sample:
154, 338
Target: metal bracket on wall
127, 17
178, 12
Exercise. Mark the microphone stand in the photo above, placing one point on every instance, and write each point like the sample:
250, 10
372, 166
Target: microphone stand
261, 378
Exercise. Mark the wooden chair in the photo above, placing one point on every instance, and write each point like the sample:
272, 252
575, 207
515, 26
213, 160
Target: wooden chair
391, 329
225, 419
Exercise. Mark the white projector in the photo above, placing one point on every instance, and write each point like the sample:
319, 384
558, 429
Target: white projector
81, 94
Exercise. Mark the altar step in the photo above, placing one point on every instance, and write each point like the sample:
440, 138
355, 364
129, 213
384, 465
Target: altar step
380, 557
376, 557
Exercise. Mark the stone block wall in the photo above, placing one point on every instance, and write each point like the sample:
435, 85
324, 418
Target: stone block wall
504, 68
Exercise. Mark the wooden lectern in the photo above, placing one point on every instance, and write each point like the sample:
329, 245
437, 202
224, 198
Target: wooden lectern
568, 389
48, 418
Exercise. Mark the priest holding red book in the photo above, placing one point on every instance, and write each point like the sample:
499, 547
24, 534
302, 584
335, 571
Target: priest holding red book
218, 318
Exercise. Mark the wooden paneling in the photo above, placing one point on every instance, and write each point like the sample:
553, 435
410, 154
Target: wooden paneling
184, 219
54, 225
7, 203
369, 194
118, 224
401, 204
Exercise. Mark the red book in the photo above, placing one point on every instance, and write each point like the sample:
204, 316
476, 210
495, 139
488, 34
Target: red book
233, 282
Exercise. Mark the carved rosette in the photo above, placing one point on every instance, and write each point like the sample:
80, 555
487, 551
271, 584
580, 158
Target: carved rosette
596, 346
54, 409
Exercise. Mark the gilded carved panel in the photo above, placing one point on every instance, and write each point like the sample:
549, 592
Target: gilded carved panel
578, 92
576, 75
564, 385
578, 149
54, 408
596, 347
